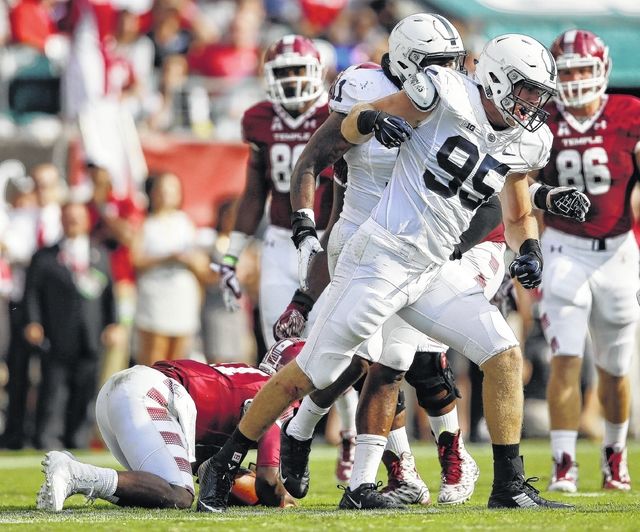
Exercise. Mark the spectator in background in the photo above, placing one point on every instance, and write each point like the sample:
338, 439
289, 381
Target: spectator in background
114, 222
168, 34
169, 268
138, 50
168, 107
49, 193
237, 55
18, 245
32, 23
70, 313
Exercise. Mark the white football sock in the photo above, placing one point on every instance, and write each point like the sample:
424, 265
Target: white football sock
347, 404
563, 441
369, 449
309, 414
615, 435
100, 482
447, 422
398, 442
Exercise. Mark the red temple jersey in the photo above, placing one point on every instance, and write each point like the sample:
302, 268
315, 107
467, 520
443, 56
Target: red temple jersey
280, 140
221, 393
597, 158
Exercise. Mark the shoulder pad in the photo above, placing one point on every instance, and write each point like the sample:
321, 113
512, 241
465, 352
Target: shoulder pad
421, 91
356, 84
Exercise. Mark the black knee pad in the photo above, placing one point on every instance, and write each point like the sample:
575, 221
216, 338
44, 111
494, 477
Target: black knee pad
400, 405
431, 375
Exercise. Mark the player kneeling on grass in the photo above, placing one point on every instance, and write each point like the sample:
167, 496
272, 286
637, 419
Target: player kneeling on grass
154, 420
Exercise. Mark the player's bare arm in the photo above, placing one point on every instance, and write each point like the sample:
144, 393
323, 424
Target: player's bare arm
521, 231
324, 148
293, 320
517, 214
248, 213
251, 206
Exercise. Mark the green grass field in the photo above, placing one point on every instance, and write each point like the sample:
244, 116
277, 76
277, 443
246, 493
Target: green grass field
20, 478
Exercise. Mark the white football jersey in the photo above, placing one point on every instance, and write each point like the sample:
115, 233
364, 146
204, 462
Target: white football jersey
370, 164
453, 163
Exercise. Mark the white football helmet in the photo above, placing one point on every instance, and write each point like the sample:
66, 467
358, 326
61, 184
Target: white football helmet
507, 65
424, 39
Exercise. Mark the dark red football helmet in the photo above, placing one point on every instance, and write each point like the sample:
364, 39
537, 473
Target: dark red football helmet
581, 49
280, 354
293, 71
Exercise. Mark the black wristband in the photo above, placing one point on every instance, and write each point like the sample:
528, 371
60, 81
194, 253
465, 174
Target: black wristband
540, 197
366, 121
302, 226
304, 300
531, 245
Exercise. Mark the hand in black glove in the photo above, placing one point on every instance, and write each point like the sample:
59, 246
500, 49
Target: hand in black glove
456, 254
527, 267
389, 130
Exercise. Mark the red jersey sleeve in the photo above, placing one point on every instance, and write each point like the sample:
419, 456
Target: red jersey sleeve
269, 448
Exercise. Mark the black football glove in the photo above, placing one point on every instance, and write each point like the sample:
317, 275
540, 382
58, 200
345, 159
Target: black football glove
389, 130
527, 267
456, 254
563, 201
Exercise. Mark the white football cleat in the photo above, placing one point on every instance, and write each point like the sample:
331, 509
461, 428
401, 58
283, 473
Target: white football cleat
564, 475
63, 478
459, 470
404, 485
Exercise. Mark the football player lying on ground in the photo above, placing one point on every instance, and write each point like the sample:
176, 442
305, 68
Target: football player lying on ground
154, 421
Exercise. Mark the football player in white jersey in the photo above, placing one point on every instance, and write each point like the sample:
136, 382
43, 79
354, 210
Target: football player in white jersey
471, 139
369, 166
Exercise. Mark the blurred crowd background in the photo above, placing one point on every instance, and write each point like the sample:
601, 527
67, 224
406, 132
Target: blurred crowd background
120, 130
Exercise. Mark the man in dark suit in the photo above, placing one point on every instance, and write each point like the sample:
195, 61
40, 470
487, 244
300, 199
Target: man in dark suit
70, 314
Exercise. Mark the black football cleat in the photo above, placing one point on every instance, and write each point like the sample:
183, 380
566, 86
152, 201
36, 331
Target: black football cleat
367, 497
294, 463
215, 485
511, 490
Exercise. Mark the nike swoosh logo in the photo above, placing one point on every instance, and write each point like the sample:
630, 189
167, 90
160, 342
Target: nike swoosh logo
210, 508
358, 505
284, 480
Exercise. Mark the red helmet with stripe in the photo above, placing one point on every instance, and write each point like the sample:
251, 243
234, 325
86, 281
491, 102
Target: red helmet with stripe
293, 71
581, 49
280, 354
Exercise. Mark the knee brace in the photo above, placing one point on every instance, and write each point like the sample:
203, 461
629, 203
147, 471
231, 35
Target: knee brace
400, 405
433, 380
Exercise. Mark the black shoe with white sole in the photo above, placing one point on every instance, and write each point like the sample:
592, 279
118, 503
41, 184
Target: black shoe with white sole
215, 485
367, 497
511, 490
294, 463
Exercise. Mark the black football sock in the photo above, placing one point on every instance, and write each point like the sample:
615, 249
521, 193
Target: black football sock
506, 462
234, 450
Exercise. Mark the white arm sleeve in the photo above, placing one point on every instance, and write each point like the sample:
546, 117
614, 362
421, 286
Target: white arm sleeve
421, 91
